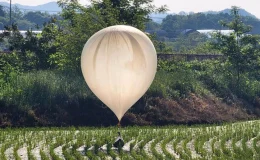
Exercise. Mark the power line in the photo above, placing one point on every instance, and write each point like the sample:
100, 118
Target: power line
10, 12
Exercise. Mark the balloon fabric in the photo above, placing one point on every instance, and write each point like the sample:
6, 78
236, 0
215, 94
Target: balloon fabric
119, 64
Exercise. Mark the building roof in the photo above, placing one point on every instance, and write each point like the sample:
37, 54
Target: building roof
209, 32
23, 32
187, 31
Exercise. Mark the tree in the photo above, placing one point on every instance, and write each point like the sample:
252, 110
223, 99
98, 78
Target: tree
24, 24
34, 50
176, 23
14, 37
2, 12
131, 12
38, 17
80, 23
152, 26
241, 49
186, 43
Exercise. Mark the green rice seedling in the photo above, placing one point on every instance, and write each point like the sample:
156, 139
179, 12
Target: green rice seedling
30, 156
109, 149
53, 155
76, 154
67, 155
184, 146
176, 142
247, 152
43, 155
136, 155
101, 155
199, 143
126, 157
227, 152
153, 149
256, 146
163, 145
132, 146
216, 149
3, 149
141, 146
237, 150
97, 145
49, 139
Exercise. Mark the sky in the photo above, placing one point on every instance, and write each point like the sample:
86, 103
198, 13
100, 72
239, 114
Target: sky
176, 6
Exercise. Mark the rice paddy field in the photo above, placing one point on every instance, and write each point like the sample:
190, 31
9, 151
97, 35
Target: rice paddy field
240, 141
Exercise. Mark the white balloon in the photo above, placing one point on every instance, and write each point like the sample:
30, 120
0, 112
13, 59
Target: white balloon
119, 64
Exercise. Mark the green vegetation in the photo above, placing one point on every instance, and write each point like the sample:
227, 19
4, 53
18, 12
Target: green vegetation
25, 20
179, 33
173, 23
229, 141
242, 50
63, 98
42, 85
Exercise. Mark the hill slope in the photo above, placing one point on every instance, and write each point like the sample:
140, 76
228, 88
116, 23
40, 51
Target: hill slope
159, 17
53, 7
242, 12
48, 7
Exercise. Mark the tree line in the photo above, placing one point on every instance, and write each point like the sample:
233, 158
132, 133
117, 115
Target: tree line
24, 19
174, 24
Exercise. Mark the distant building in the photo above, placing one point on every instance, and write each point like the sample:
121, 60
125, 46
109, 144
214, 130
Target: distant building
209, 32
23, 32
188, 31
173, 36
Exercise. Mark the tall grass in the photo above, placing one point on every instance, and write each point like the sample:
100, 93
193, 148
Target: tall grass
50, 88
58, 92
44, 88
175, 84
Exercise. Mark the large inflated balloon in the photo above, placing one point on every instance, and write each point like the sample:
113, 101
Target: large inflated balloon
119, 64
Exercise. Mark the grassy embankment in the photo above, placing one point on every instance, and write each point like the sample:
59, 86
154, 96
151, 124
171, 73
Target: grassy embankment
182, 93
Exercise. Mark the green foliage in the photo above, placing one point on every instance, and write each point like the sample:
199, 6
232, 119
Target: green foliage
203, 76
2, 12
38, 18
24, 20
80, 23
192, 43
130, 12
175, 79
28, 84
78, 28
34, 50
174, 24
47, 89
10, 66
152, 26
242, 50
47, 44
160, 46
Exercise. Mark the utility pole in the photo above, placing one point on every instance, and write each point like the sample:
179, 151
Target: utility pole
10, 12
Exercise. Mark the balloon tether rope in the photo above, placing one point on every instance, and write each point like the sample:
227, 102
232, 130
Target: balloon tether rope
118, 125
